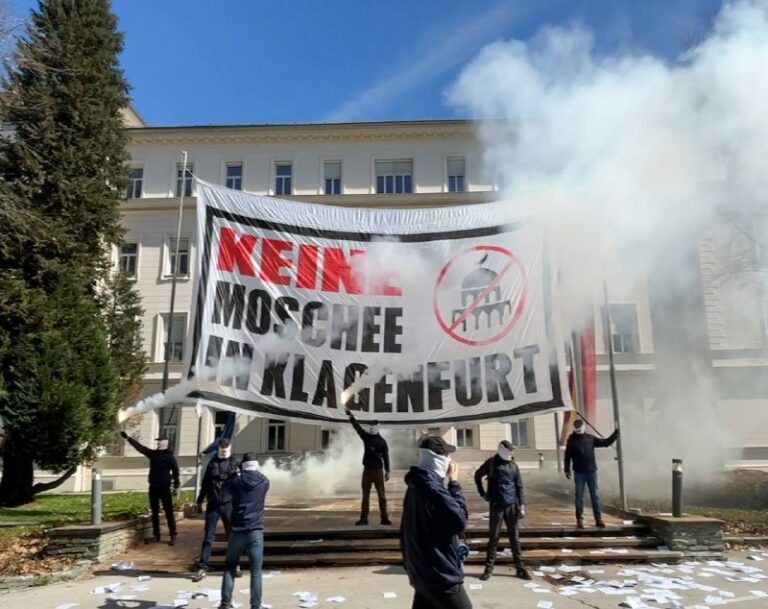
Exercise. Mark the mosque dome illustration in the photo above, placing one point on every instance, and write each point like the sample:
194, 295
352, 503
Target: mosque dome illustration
492, 309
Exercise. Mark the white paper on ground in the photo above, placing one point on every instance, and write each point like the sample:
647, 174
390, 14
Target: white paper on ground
125, 565
122, 597
306, 597
270, 574
390, 595
566, 550
335, 599
316, 541
140, 588
759, 593
544, 605
726, 594
568, 592
541, 590
714, 600
547, 569
265, 606
475, 586
211, 594
180, 602
531, 585
109, 588
143, 578
633, 602
539, 573
70, 605
307, 604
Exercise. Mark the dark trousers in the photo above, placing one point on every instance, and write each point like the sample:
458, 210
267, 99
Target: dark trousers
212, 515
158, 494
373, 477
508, 515
455, 598
590, 481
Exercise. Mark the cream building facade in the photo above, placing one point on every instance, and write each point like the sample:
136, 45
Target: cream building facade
392, 164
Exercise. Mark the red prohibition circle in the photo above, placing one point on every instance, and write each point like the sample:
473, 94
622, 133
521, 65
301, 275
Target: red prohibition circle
515, 315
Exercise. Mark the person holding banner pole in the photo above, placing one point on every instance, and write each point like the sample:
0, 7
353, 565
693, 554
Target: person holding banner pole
375, 468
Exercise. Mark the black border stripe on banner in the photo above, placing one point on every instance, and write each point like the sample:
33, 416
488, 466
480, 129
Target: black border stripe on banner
269, 409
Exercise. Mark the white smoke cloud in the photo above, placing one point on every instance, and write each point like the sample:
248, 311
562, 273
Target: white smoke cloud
631, 162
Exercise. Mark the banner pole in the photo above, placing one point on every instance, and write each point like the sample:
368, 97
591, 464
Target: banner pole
614, 395
557, 443
174, 279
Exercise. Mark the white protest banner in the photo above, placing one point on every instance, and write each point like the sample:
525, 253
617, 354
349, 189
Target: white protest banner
430, 316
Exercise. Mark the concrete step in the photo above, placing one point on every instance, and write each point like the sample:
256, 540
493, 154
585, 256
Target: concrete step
319, 546
387, 557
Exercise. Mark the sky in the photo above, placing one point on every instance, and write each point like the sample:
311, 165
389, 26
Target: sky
203, 62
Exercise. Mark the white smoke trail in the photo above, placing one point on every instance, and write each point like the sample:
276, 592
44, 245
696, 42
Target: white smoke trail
633, 163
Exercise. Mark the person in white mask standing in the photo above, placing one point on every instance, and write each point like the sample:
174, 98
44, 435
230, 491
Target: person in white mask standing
215, 491
505, 496
433, 517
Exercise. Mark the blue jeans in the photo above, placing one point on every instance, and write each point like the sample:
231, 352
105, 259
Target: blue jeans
591, 482
211, 521
252, 544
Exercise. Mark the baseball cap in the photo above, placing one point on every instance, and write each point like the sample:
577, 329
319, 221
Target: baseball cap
250, 456
437, 445
224, 443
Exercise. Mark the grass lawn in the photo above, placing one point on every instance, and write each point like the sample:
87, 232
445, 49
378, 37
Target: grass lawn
738, 521
54, 510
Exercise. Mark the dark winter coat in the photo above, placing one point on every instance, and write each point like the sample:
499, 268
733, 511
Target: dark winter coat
580, 451
214, 487
163, 468
249, 492
433, 516
505, 485
376, 449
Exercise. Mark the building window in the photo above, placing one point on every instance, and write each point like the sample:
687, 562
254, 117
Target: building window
183, 268
184, 181
283, 178
332, 174
455, 175
178, 332
220, 418
135, 182
275, 436
394, 177
624, 330
464, 438
519, 431
171, 429
234, 176
128, 259
327, 436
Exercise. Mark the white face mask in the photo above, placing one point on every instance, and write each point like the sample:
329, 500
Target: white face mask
374, 429
162, 445
504, 452
224, 453
432, 462
580, 430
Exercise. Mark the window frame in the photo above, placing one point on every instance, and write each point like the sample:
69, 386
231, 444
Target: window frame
130, 190
161, 334
467, 432
448, 176
278, 423
276, 177
398, 159
610, 336
526, 424
225, 177
168, 253
120, 257
324, 180
175, 179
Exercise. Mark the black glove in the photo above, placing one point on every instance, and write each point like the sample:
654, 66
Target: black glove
386, 477
123, 435
568, 475
484, 496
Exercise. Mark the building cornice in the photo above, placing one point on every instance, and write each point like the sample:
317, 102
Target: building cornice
251, 134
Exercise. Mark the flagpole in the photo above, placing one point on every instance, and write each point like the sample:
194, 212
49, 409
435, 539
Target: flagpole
614, 395
174, 279
557, 443
198, 460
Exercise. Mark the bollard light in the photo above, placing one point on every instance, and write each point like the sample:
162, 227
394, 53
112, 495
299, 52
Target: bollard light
96, 496
677, 488
541, 460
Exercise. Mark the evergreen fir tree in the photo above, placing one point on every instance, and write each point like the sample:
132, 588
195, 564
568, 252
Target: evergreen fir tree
70, 350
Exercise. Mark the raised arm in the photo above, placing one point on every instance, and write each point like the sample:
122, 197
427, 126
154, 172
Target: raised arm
358, 428
605, 442
147, 452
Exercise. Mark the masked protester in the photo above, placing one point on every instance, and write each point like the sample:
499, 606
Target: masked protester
433, 518
249, 492
215, 491
375, 468
505, 496
580, 451
163, 482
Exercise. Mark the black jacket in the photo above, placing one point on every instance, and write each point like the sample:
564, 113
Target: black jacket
376, 449
249, 492
163, 469
505, 485
432, 518
213, 487
580, 450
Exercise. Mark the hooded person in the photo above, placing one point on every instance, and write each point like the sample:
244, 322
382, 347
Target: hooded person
504, 495
375, 468
163, 482
434, 515
580, 453
249, 492
215, 491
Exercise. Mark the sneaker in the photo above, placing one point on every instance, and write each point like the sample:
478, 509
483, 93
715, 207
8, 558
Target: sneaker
579, 523
522, 573
152, 540
486, 574
599, 523
172, 542
238, 571
199, 576
361, 522
386, 521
